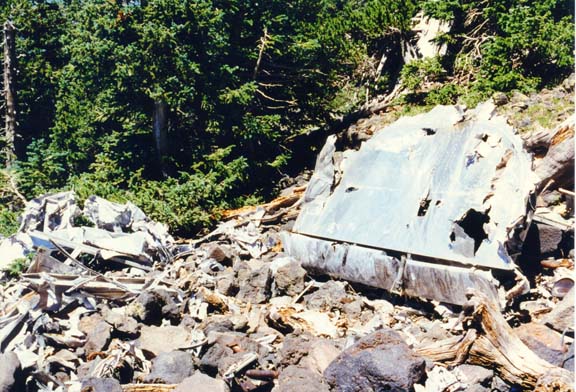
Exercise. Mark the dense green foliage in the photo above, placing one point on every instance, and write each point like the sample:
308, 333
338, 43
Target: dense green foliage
240, 79
502, 45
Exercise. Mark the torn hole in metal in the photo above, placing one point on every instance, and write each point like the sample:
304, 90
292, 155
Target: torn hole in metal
411, 212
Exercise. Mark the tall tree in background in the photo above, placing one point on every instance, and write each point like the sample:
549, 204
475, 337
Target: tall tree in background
10, 92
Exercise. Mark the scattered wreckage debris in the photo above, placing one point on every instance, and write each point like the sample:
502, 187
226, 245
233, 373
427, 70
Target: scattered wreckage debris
439, 198
122, 306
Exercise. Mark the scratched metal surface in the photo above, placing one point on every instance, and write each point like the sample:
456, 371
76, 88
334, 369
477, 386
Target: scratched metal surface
455, 162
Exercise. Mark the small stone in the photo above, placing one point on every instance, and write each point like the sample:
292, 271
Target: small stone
289, 279
500, 99
201, 382
87, 368
97, 332
568, 83
121, 321
226, 283
10, 369
332, 295
561, 318
156, 305
569, 359
379, 361
254, 285
301, 379
157, 340
551, 198
320, 356
476, 375
353, 309
499, 385
477, 388
171, 368
211, 361
217, 323
220, 253
101, 385
550, 238
295, 348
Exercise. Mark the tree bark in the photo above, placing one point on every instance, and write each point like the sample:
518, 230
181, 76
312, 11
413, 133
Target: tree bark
161, 131
10, 91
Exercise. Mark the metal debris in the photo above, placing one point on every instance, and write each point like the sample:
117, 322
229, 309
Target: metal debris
440, 198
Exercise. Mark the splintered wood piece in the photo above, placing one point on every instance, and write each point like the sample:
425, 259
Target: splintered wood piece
494, 345
148, 387
274, 205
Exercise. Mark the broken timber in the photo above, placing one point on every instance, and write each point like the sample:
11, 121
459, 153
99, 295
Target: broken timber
490, 342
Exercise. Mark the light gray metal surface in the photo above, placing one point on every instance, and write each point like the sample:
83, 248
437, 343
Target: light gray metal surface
446, 185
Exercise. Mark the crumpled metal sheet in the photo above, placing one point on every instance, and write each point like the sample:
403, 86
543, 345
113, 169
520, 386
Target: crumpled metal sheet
50, 212
111, 216
446, 187
122, 231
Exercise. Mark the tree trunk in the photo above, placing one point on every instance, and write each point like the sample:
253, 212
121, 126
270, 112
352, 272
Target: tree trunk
10, 91
491, 343
160, 131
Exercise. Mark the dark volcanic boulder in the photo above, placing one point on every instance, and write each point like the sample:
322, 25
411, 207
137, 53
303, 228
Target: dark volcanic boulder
380, 361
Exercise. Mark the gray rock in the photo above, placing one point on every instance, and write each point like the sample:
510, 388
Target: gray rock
212, 360
476, 375
171, 368
353, 309
561, 318
101, 385
156, 340
551, 198
10, 370
477, 388
545, 342
568, 83
301, 379
201, 382
294, 348
120, 321
254, 285
87, 368
97, 332
289, 279
499, 385
321, 356
550, 238
379, 361
500, 99
157, 305
226, 283
332, 295
220, 253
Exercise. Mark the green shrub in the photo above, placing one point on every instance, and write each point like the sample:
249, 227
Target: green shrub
8, 221
418, 73
18, 266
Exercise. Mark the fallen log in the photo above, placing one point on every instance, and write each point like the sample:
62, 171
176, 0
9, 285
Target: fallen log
280, 202
490, 342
